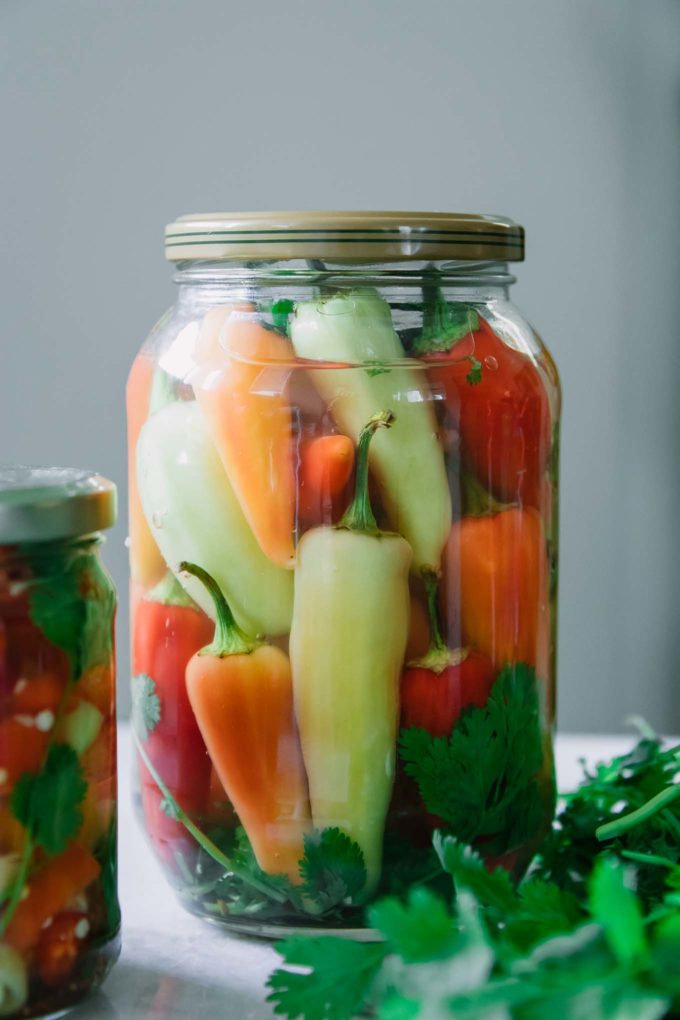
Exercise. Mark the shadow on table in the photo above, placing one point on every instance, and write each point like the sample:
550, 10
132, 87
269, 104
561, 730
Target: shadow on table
145, 993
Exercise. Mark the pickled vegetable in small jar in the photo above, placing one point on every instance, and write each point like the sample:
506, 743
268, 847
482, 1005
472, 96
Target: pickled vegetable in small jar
59, 914
343, 451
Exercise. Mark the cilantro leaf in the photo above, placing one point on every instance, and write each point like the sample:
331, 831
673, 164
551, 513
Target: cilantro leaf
336, 983
73, 605
493, 889
420, 929
332, 868
47, 803
58, 610
543, 950
100, 603
483, 779
281, 313
542, 910
474, 376
614, 789
618, 910
405, 865
146, 705
377, 368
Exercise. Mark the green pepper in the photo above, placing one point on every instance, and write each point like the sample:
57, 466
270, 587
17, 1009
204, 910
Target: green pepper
408, 461
347, 643
194, 515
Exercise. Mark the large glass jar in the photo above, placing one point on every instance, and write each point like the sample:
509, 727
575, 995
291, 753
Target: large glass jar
59, 915
343, 544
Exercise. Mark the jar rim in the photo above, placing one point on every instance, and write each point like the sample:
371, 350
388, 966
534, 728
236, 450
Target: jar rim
39, 504
351, 236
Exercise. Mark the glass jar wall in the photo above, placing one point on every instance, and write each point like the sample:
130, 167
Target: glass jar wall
343, 544
59, 915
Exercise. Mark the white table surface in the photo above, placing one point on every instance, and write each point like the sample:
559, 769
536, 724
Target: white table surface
175, 966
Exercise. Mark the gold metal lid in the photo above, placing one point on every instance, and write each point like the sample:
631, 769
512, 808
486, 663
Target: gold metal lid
344, 236
41, 504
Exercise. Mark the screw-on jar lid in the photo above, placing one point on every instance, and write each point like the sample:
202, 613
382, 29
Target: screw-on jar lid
344, 236
39, 504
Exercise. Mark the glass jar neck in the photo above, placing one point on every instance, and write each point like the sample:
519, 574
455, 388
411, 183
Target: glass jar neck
211, 282
55, 549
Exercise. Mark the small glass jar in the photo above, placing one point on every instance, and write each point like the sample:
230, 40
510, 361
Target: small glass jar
343, 545
59, 913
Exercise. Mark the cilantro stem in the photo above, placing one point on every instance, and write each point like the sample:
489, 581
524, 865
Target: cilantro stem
652, 859
18, 884
611, 830
204, 841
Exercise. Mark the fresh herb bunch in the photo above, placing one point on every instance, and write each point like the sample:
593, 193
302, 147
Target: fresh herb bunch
592, 931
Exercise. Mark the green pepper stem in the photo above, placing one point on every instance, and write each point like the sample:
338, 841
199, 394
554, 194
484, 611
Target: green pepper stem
443, 324
359, 515
431, 582
611, 830
203, 841
478, 501
229, 639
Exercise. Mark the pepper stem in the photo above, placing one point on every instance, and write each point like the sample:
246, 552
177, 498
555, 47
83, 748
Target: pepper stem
438, 656
229, 639
478, 501
430, 580
359, 515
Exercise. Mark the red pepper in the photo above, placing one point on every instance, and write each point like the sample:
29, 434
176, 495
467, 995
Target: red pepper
436, 688
22, 748
495, 581
168, 630
497, 396
60, 945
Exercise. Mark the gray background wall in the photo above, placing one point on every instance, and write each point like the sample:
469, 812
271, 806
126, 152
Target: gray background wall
117, 115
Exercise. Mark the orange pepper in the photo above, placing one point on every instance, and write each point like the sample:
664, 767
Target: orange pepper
98, 686
326, 466
146, 563
97, 808
242, 696
241, 388
49, 891
22, 748
99, 761
495, 586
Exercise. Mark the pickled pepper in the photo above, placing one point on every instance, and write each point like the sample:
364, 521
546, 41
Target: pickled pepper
408, 462
349, 631
195, 515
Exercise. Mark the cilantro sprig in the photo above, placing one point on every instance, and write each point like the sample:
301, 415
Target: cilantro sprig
48, 803
482, 781
587, 933
72, 603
